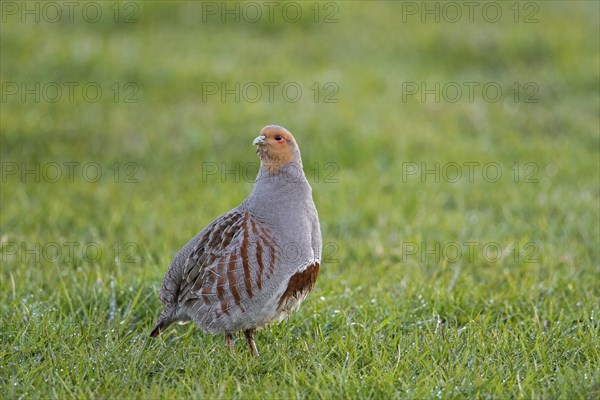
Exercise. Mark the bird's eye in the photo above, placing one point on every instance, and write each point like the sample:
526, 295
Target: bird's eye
278, 137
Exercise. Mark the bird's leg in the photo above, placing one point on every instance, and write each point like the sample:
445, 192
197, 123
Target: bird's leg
253, 350
229, 342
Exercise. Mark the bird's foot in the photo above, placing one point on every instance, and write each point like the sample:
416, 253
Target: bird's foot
229, 343
250, 340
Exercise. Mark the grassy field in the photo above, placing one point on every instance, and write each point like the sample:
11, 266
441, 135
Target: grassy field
454, 159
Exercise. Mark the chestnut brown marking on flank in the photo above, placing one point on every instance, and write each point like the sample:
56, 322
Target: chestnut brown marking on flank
266, 232
207, 282
206, 294
215, 237
227, 236
221, 282
204, 265
300, 283
245, 263
221, 234
205, 297
225, 307
231, 275
197, 283
261, 265
253, 224
272, 260
198, 273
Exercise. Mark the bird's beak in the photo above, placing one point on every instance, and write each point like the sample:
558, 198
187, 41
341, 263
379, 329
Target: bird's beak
260, 140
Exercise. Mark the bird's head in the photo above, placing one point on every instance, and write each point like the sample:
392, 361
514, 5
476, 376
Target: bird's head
276, 147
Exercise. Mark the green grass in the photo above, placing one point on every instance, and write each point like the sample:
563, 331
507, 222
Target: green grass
389, 317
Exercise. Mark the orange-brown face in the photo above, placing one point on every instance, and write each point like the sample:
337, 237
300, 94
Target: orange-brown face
275, 146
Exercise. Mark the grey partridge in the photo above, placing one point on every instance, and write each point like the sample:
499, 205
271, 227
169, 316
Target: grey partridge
256, 263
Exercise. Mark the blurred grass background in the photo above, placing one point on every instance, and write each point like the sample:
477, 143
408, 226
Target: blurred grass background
381, 322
